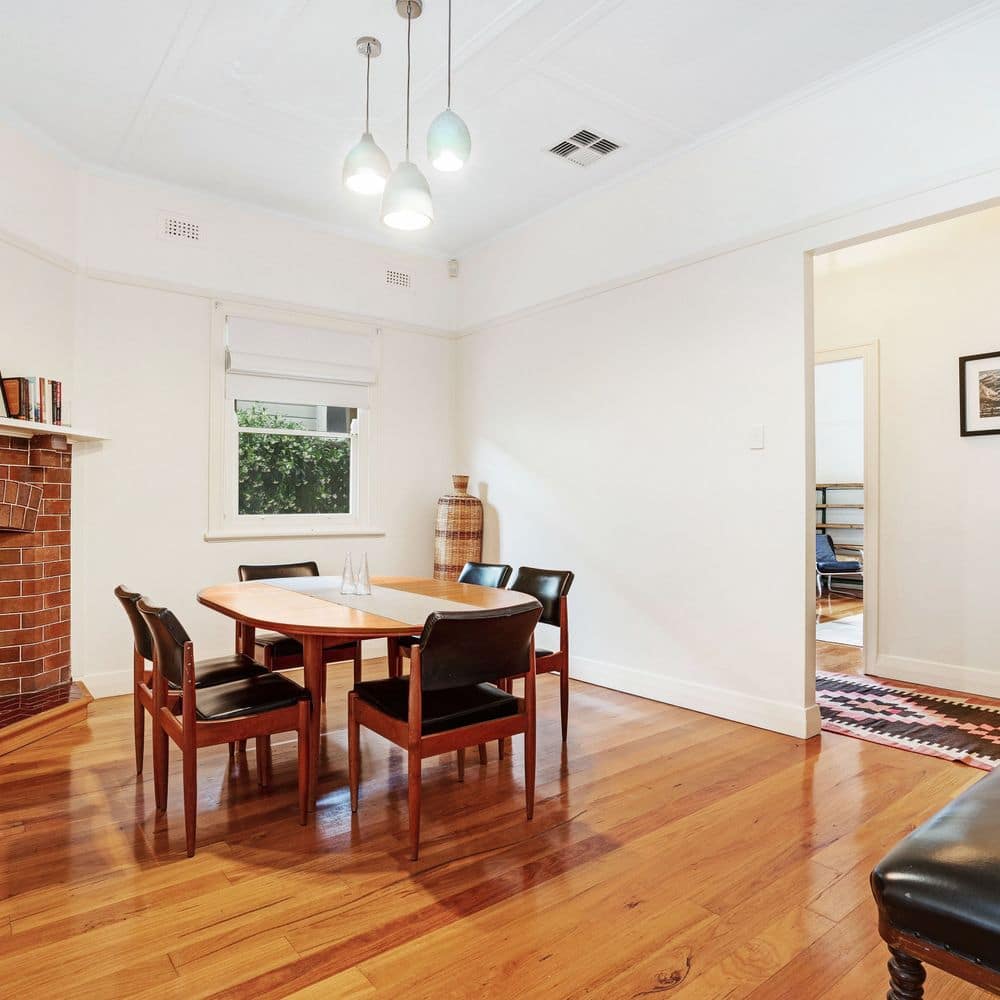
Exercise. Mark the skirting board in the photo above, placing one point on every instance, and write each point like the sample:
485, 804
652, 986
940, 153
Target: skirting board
968, 680
777, 716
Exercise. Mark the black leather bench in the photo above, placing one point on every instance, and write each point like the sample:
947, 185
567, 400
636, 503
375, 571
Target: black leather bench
938, 895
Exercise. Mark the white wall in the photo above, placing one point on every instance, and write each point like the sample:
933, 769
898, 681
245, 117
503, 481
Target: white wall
840, 420
37, 283
612, 436
92, 293
674, 305
255, 253
840, 443
37, 309
928, 296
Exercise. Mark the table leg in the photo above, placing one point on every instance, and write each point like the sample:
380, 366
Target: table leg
392, 655
312, 660
245, 637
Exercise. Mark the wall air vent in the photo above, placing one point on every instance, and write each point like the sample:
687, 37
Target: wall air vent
584, 147
173, 227
396, 279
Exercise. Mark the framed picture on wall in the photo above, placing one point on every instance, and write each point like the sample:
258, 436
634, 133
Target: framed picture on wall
979, 393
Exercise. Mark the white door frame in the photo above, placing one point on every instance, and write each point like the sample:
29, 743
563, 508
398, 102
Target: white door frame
868, 354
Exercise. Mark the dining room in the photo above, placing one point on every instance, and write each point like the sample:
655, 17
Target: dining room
407, 478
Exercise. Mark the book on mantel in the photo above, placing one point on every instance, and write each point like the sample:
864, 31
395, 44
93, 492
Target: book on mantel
32, 397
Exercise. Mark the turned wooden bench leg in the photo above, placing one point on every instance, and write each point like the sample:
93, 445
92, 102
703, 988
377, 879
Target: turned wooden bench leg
906, 977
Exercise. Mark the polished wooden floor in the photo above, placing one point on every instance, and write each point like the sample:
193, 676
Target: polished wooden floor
671, 854
832, 656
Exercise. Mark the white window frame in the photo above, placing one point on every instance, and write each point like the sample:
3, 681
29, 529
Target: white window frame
224, 520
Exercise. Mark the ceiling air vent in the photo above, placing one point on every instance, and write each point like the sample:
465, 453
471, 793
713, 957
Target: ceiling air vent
174, 228
397, 279
584, 147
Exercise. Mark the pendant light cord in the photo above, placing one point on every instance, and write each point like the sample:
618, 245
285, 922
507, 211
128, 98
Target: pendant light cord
368, 81
409, 22
449, 55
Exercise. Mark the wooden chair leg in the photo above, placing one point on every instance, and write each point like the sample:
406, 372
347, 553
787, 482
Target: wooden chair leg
357, 662
353, 750
190, 797
564, 698
139, 713
303, 746
529, 771
460, 754
906, 977
161, 765
232, 751
414, 803
322, 690
263, 748
482, 754
500, 749
241, 746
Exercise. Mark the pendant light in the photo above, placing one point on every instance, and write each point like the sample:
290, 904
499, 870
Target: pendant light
406, 201
448, 141
366, 166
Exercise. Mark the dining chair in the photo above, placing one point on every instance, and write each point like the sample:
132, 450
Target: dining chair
282, 652
255, 706
207, 673
479, 574
452, 698
550, 588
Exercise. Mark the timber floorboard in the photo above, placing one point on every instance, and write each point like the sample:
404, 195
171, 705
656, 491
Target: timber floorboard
671, 854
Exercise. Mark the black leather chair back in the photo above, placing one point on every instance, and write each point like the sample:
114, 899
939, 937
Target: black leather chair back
485, 574
168, 641
825, 552
463, 648
546, 586
140, 630
277, 571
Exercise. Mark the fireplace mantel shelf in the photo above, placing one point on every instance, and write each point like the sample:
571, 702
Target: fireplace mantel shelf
30, 428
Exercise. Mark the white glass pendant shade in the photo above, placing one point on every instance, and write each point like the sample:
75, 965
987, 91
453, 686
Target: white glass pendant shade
406, 201
366, 167
448, 142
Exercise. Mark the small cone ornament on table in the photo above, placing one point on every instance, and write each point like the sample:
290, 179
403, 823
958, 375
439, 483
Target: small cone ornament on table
458, 535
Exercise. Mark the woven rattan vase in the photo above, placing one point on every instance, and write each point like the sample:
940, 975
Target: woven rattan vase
458, 535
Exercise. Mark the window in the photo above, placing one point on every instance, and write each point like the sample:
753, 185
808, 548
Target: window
294, 459
293, 411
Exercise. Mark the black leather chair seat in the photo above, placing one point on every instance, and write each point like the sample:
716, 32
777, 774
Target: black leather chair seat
224, 670
539, 653
409, 641
838, 566
249, 696
442, 710
942, 883
285, 645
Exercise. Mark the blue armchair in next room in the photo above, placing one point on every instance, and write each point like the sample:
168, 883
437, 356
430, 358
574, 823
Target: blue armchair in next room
829, 566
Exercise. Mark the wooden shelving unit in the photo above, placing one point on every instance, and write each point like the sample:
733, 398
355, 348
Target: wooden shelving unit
31, 428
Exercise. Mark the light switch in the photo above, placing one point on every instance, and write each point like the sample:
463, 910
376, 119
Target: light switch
756, 437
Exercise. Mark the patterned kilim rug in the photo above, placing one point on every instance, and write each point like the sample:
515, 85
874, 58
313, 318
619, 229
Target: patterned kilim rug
923, 723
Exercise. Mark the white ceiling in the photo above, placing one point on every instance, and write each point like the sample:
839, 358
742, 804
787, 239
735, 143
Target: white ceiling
259, 100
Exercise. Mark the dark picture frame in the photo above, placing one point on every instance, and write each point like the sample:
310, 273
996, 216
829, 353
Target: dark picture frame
989, 382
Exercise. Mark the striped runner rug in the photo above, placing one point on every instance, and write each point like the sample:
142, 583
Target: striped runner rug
930, 724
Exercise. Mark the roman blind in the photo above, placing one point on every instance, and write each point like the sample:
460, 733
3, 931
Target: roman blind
273, 362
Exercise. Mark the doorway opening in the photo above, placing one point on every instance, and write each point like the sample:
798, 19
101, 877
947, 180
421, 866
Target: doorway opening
846, 427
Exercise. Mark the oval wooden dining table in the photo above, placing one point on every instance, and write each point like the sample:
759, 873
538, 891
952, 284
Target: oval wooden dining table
312, 610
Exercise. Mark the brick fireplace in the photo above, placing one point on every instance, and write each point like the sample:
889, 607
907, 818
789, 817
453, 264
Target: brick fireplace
35, 483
